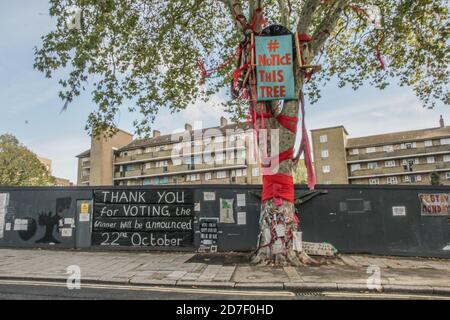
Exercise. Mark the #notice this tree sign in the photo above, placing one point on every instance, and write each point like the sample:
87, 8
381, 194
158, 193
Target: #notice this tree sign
274, 68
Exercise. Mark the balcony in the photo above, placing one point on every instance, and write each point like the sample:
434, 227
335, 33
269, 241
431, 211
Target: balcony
86, 164
143, 157
400, 169
399, 153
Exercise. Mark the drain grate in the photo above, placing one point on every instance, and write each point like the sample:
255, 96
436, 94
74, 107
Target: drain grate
310, 294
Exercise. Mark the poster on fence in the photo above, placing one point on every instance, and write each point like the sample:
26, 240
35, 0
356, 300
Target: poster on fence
434, 204
274, 68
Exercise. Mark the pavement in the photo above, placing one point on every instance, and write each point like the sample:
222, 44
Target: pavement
344, 273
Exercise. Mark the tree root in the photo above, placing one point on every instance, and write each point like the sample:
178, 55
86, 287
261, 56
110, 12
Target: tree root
292, 258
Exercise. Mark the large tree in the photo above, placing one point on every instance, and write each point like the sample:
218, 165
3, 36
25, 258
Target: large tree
149, 51
19, 166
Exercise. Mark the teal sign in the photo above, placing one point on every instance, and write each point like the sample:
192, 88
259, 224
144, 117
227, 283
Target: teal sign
274, 68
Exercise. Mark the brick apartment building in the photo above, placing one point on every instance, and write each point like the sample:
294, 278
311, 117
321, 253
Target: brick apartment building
407, 157
221, 155
59, 182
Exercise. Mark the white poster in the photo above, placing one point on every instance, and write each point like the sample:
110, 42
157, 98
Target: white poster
241, 218
226, 211
66, 232
84, 216
70, 222
4, 202
398, 211
209, 196
240, 200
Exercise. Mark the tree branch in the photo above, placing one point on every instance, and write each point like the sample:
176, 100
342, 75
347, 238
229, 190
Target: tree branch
235, 10
326, 27
306, 15
284, 13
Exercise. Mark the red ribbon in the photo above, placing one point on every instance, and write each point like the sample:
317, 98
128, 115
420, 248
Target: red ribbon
278, 187
377, 47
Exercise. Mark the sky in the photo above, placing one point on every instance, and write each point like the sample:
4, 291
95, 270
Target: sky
30, 107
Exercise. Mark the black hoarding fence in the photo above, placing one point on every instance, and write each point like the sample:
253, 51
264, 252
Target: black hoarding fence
157, 219
40, 217
388, 220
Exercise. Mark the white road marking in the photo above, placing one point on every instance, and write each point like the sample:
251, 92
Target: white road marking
385, 295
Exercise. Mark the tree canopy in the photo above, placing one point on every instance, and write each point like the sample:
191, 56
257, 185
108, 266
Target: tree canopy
147, 50
19, 166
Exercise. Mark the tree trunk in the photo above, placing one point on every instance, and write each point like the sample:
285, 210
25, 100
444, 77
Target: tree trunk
275, 248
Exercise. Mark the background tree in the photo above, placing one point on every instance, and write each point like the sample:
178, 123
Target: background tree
435, 178
300, 175
148, 51
19, 166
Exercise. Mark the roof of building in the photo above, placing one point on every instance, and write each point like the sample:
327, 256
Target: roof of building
167, 138
396, 137
335, 127
84, 154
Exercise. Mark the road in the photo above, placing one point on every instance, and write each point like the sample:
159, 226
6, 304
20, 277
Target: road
41, 290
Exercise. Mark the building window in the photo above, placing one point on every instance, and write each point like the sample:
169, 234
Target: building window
389, 163
221, 174
163, 180
176, 161
255, 172
408, 145
410, 162
370, 150
219, 157
413, 179
447, 158
147, 181
159, 164
445, 141
193, 177
447, 175
236, 173
148, 165
372, 165
354, 151
323, 138
388, 148
198, 159
129, 167
208, 158
355, 167
324, 153
326, 169
428, 143
391, 180
374, 181
430, 160
208, 176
